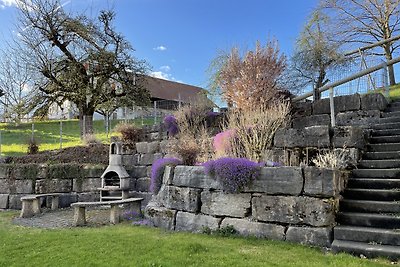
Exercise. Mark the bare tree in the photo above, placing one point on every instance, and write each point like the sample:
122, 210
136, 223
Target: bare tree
365, 22
315, 54
16, 85
254, 78
78, 57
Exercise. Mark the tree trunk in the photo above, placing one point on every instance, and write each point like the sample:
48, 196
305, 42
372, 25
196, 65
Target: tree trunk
86, 122
388, 55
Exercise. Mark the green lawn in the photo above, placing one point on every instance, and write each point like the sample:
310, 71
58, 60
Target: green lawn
14, 137
127, 245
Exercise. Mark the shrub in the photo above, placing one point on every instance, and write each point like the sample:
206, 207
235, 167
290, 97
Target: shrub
234, 173
171, 124
90, 139
187, 149
254, 129
333, 159
130, 134
33, 146
157, 171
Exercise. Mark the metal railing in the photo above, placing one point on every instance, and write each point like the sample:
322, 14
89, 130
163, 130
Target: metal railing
330, 86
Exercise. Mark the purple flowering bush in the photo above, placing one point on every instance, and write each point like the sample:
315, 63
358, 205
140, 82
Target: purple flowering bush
171, 124
234, 173
157, 171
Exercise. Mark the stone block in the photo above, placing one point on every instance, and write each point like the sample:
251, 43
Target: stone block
314, 136
373, 101
94, 171
161, 217
154, 136
88, 197
261, 230
4, 201
348, 136
25, 171
323, 182
276, 155
148, 171
145, 195
12, 186
191, 222
53, 185
14, 202
302, 109
143, 184
314, 120
86, 185
148, 159
4, 171
321, 236
194, 176
137, 171
130, 160
66, 200
278, 180
342, 103
362, 118
178, 198
168, 175
221, 204
153, 147
141, 147
165, 146
294, 210
65, 171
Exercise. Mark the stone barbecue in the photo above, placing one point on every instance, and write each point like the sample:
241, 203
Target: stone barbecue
115, 179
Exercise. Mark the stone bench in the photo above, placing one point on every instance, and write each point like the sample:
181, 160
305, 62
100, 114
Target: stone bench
31, 204
80, 209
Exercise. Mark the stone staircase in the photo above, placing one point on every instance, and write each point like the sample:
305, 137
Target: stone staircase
369, 215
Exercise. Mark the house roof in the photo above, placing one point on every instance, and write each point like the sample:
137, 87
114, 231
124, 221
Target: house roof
169, 90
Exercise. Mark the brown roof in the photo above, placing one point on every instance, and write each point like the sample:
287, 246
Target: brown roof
169, 90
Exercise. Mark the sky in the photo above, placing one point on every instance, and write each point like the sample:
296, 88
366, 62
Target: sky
179, 38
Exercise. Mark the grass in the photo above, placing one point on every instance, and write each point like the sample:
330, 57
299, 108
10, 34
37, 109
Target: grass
394, 92
127, 245
15, 137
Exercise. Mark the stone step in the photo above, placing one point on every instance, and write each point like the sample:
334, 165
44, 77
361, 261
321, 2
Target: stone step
381, 155
385, 147
369, 206
372, 194
394, 104
385, 139
384, 126
392, 119
373, 183
376, 173
387, 221
368, 250
391, 114
392, 108
367, 235
379, 164
386, 132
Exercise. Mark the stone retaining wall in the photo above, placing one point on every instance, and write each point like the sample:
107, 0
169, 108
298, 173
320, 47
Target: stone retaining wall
286, 203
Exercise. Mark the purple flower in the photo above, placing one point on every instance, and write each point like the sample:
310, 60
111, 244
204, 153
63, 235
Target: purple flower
157, 171
233, 173
171, 125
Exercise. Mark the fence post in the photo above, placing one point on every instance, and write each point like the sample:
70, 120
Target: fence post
332, 105
385, 71
155, 112
61, 133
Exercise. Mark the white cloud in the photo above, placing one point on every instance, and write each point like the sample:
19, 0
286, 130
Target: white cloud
7, 3
165, 68
161, 75
160, 48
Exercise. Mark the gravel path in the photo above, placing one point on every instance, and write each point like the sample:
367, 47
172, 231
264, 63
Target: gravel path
63, 218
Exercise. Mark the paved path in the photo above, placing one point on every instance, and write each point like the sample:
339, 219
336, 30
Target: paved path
64, 218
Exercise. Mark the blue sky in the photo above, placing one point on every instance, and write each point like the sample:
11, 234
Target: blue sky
179, 38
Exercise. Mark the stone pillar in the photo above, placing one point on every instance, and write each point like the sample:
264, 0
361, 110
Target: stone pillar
114, 214
79, 216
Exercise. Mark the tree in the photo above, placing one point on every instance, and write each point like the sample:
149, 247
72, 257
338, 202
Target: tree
16, 82
365, 22
79, 57
315, 54
254, 78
